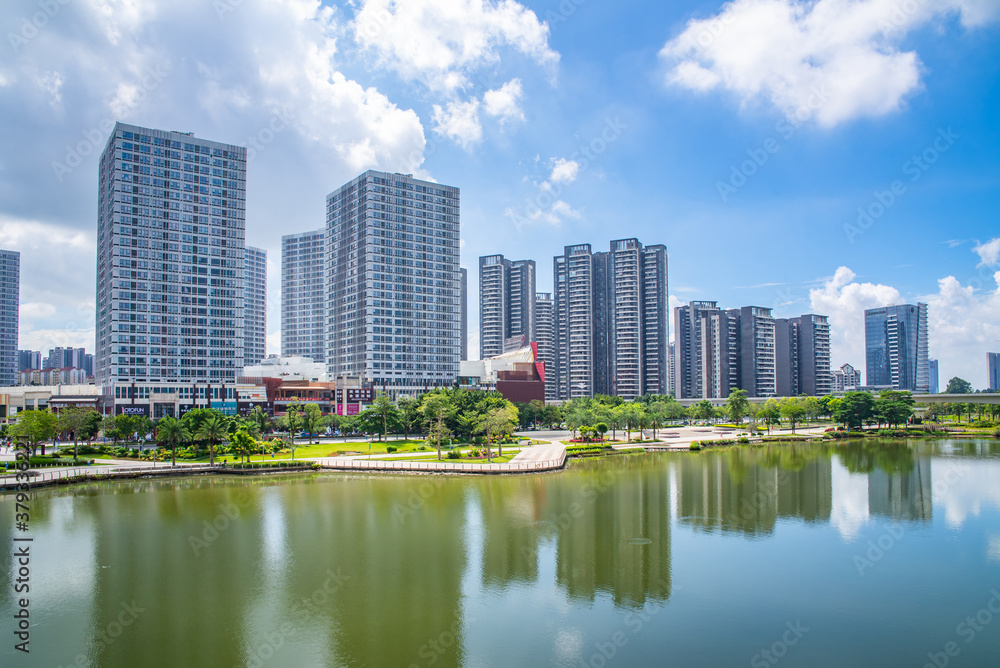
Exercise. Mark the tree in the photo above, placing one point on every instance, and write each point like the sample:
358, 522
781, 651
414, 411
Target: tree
958, 386
409, 413
894, 408
505, 421
793, 410
258, 417
703, 410
737, 405
633, 414
386, 411
91, 426
312, 420
212, 430
435, 408
601, 428
74, 421
33, 428
243, 443
854, 409
171, 431
770, 413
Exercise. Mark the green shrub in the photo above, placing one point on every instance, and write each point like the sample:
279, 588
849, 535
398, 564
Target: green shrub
422, 447
454, 454
743, 440
695, 445
390, 448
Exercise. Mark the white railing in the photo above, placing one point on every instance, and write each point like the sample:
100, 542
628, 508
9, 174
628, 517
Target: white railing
380, 465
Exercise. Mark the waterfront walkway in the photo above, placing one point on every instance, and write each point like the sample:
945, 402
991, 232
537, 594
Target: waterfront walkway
534, 459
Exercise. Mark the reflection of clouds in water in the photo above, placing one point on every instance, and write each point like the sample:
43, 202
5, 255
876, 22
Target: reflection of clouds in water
994, 551
273, 530
850, 502
568, 646
965, 487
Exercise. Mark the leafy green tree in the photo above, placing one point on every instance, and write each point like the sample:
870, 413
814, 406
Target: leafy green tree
34, 428
75, 421
172, 432
854, 409
958, 386
436, 407
601, 428
633, 414
792, 409
311, 419
213, 431
894, 408
409, 414
703, 410
737, 405
770, 413
243, 444
261, 419
387, 413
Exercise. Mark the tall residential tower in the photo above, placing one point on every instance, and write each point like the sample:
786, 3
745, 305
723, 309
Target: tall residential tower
170, 258
10, 291
255, 306
303, 297
393, 282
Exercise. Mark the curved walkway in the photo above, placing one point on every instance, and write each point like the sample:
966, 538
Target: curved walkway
533, 459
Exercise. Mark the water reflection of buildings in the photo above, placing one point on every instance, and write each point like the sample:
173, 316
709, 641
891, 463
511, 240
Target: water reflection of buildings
902, 495
745, 491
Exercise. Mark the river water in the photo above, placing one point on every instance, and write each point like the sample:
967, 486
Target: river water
862, 554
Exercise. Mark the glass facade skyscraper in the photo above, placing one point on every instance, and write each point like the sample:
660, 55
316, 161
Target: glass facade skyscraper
994, 370
896, 348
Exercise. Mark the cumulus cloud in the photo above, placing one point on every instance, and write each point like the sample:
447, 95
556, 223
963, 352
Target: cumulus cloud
565, 171
831, 60
962, 320
459, 121
442, 42
504, 102
989, 252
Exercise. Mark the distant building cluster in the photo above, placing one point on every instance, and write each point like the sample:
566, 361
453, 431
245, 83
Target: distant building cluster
603, 329
376, 300
719, 350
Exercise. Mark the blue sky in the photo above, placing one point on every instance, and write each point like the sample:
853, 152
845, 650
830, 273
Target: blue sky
748, 137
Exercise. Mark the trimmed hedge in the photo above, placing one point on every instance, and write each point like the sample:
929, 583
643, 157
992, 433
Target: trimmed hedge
43, 462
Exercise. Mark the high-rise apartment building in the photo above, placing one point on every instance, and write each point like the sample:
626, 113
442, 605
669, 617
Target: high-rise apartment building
506, 302
29, 360
933, 377
465, 313
701, 341
611, 320
393, 282
573, 292
254, 306
993, 362
896, 348
303, 295
68, 358
170, 258
802, 356
10, 300
545, 336
756, 351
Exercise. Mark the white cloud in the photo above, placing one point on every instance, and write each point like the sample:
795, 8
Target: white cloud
561, 209
832, 60
442, 42
459, 121
989, 252
850, 503
504, 102
845, 301
565, 171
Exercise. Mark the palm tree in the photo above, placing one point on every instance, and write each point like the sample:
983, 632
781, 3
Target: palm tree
213, 430
172, 432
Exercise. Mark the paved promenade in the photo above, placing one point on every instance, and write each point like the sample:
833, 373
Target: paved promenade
531, 459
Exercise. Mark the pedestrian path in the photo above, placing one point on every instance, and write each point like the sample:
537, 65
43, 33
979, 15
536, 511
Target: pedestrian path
529, 460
